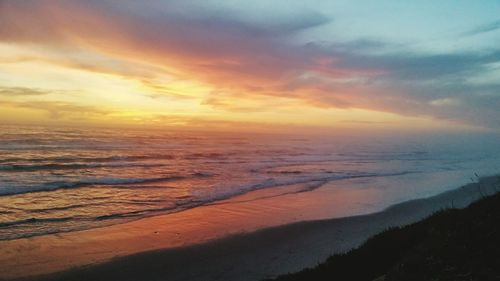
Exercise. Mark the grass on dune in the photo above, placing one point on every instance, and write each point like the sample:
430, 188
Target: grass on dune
453, 244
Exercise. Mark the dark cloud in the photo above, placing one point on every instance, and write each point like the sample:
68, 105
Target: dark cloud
358, 46
365, 122
409, 84
489, 27
58, 110
302, 21
414, 66
22, 91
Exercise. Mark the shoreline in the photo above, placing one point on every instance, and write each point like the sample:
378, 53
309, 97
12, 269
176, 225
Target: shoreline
126, 252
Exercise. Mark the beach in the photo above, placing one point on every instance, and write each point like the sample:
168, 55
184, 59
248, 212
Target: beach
248, 237
240, 141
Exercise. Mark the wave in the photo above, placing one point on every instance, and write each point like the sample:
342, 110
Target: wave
34, 220
51, 186
72, 159
138, 213
119, 182
85, 159
73, 166
206, 155
310, 184
285, 172
324, 178
186, 202
63, 208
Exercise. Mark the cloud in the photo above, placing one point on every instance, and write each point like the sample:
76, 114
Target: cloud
58, 110
214, 48
485, 28
415, 66
22, 91
157, 90
365, 122
254, 61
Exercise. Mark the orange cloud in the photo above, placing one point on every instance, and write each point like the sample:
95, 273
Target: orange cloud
230, 65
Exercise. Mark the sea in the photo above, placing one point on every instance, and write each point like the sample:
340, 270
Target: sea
65, 179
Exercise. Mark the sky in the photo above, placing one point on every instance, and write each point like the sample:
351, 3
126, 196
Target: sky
360, 65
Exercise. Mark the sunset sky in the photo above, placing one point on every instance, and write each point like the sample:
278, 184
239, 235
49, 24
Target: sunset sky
334, 64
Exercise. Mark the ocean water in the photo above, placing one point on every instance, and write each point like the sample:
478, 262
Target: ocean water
65, 179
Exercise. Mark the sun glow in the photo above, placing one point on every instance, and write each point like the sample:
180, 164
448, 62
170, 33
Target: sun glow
100, 67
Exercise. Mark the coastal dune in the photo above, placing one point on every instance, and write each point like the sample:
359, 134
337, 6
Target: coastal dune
219, 241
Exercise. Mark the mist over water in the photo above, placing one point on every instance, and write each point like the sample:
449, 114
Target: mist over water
55, 180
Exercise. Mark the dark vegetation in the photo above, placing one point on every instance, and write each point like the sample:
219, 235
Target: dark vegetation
451, 245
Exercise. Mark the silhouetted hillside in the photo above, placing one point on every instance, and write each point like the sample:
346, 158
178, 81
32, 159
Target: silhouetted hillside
450, 245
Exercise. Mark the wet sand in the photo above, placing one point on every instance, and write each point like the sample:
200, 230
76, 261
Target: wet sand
220, 241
